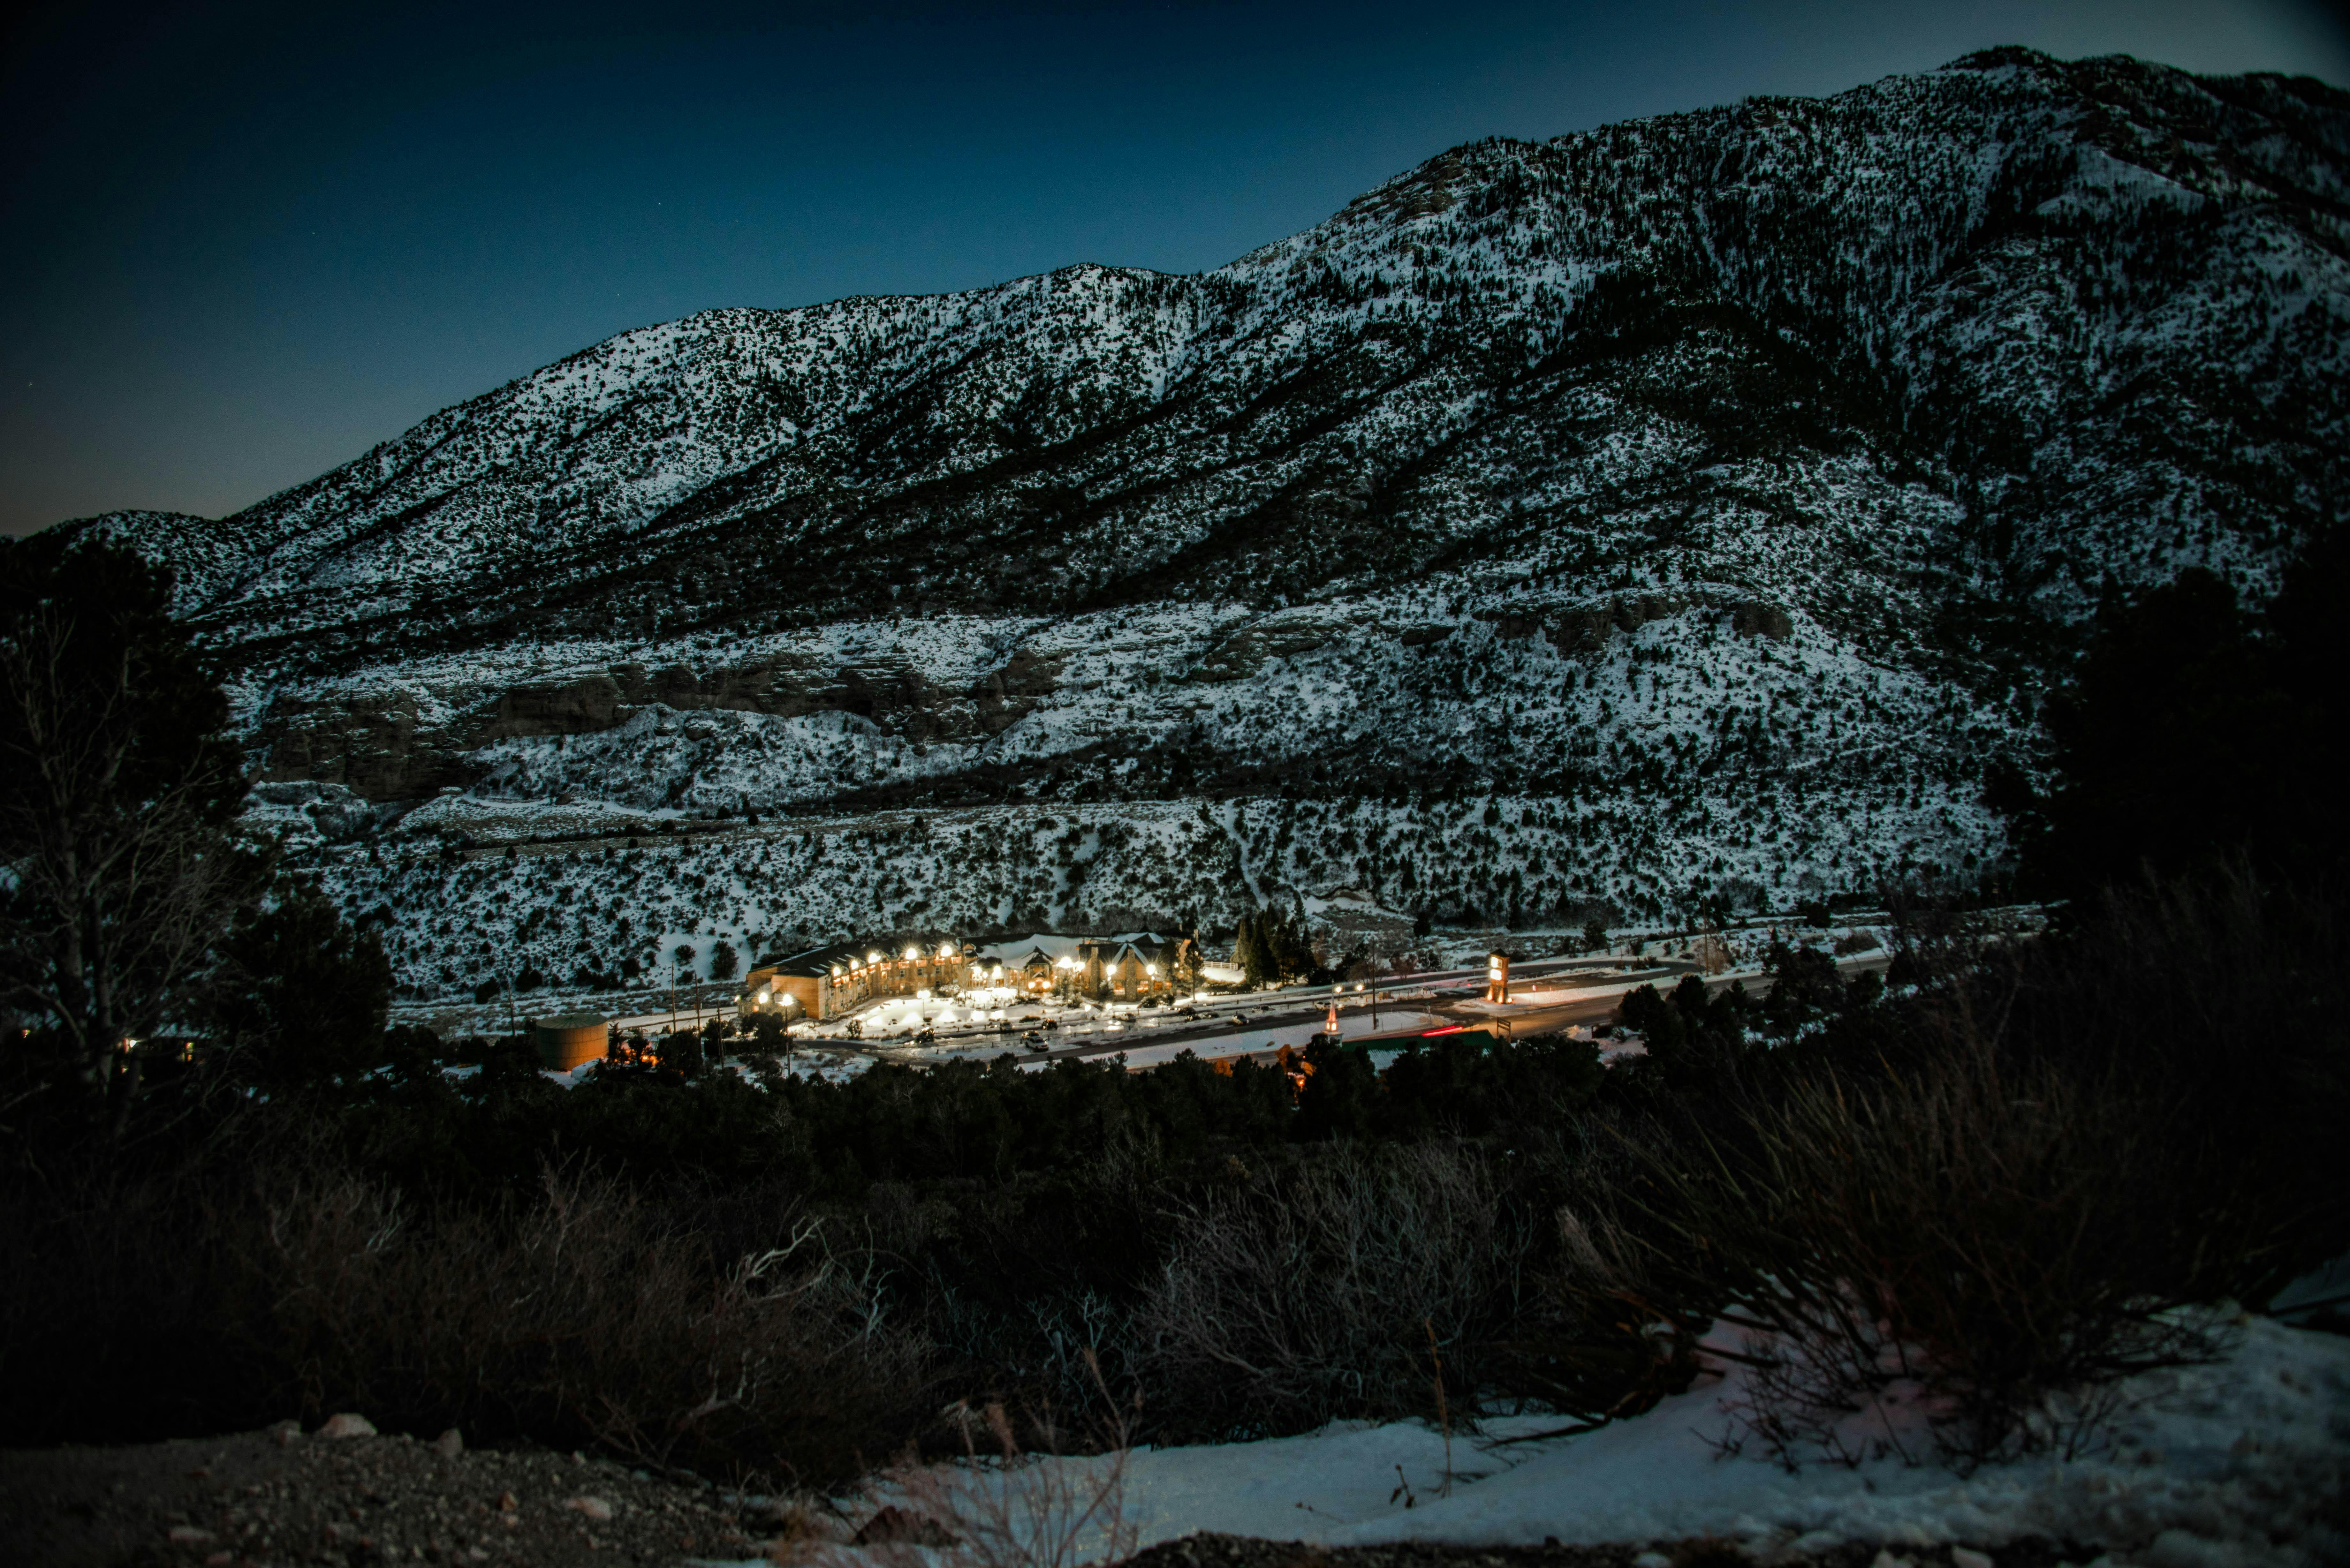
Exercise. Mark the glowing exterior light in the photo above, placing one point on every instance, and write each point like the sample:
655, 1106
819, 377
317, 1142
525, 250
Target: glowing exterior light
912, 952
872, 958
946, 949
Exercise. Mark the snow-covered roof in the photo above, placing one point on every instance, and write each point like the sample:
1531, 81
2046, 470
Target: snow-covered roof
847, 955
1019, 952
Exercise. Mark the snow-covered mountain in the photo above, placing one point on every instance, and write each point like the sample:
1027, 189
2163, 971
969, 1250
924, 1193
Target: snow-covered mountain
1686, 509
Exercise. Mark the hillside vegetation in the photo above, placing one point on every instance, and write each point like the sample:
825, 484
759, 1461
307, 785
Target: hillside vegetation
1691, 509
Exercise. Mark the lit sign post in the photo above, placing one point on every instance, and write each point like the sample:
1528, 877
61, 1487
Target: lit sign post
1497, 977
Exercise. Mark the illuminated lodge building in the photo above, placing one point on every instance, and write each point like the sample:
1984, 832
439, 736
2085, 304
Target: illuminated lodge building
825, 982
1126, 968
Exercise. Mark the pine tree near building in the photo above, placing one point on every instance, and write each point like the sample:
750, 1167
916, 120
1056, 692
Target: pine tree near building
1248, 950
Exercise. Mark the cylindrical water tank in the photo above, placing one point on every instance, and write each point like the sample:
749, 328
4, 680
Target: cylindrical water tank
568, 1040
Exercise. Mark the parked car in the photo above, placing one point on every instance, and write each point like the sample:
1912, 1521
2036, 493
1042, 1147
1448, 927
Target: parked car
1034, 1041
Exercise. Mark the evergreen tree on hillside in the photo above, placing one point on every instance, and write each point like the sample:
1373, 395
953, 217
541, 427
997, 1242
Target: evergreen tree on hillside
1248, 950
1272, 948
1289, 953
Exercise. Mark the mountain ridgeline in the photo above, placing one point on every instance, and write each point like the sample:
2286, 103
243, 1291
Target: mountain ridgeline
1687, 510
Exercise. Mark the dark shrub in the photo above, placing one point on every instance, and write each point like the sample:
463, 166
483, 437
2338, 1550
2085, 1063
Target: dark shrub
1282, 1305
577, 1314
2015, 1188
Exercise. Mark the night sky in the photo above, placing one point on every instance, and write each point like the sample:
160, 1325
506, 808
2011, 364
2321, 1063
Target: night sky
244, 243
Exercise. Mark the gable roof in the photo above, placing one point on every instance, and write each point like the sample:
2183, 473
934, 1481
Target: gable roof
847, 955
1020, 951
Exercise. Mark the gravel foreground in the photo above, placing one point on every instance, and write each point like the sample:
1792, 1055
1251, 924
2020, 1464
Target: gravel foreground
281, 1498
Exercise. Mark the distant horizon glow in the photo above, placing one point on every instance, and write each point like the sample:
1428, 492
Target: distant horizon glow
255, 240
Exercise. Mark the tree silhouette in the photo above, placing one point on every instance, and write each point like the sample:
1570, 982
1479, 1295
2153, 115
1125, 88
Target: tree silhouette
116, 789
2191, 732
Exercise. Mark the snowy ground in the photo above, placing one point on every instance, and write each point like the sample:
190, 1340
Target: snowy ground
2239, 1463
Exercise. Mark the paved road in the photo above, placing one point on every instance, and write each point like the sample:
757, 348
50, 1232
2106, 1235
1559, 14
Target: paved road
1663, 974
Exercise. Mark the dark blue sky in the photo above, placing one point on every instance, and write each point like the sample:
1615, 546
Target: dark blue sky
246, 242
